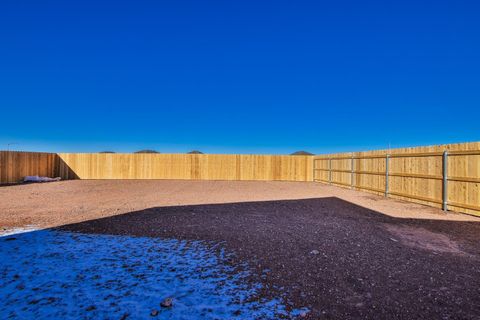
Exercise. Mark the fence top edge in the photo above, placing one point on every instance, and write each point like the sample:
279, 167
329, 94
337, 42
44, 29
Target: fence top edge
400, 155
20, 151
187, 154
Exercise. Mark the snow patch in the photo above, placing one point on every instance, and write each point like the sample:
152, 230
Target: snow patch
62, 275
12, 231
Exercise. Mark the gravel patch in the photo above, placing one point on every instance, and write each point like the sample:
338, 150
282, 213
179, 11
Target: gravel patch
339, 260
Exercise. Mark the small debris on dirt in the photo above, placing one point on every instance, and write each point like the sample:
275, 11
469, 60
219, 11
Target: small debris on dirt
34, 301
314, 252
394, 240
30, 179
91, 308
303, 314
154, 313
167, 303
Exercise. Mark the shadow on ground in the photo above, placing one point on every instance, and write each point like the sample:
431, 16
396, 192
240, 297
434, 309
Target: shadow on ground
339, 260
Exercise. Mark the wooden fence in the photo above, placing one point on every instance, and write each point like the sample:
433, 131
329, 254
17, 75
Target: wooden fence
445, 176
426, 175
185, 166
15, 165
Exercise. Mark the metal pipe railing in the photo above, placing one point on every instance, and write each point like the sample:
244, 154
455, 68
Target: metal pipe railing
387, 158
445, 181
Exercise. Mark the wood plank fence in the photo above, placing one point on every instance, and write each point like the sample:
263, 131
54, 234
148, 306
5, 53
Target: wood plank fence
445, 176
185, 166
14, 165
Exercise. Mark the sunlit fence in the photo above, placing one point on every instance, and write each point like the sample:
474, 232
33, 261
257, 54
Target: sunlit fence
445, 176
185, 166
16, 165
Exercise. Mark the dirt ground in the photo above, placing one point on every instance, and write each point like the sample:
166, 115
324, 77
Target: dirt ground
343, 254
55, 204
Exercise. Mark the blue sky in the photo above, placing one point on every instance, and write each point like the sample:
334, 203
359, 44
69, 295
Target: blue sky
238, 76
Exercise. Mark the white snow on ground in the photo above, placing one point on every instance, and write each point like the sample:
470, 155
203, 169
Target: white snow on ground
8, 232
61, 275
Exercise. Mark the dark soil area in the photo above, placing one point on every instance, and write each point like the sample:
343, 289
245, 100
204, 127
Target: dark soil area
340, 260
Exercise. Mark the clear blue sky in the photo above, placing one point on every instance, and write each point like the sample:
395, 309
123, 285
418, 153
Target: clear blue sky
238, 76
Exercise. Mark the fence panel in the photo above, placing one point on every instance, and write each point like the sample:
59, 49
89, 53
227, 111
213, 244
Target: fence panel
414, 174
15, 165
185, 166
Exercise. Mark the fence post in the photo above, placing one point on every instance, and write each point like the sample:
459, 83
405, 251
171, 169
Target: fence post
445, 180
313, 169
330, 170
352, 169
387, 161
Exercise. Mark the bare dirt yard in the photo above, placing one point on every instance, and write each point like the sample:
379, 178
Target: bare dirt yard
325, 252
